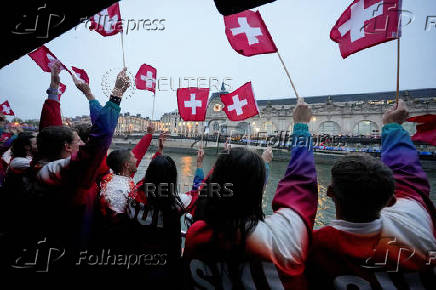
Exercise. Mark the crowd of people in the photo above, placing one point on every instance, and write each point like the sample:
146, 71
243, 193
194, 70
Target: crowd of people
61, 186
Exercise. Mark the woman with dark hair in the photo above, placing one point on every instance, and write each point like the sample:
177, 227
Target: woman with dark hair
231, 245
156, 207
152, 222
22, 150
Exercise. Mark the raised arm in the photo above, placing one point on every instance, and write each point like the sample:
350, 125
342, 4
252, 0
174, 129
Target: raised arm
267, 157
283, 237
162, 138
190, 198
94, 105
51, 110
199, 172
141, 148
298, 189
93, 153
399, 153
90, 156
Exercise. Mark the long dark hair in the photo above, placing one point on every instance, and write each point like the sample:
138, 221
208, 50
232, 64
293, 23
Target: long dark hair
234, 213
162, 173
18, 147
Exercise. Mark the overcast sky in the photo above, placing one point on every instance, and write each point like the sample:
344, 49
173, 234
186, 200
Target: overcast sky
193, 44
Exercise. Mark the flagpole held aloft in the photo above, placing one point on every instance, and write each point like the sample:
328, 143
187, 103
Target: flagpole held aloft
122, 48
289, 76
398, 72
152, 112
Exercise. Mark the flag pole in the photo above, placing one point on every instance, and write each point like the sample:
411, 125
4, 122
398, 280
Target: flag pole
152, 112
122, 48
398, 72
202, 137
289, 76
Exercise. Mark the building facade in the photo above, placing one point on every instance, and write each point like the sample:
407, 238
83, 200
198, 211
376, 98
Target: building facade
350, 114
132, 124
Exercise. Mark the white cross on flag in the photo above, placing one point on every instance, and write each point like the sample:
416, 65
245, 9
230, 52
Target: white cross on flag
108, 21
240, 104
80, 74
6, 109
145, 78
248, 34
62, 88
192, 103
367, 23
45, 59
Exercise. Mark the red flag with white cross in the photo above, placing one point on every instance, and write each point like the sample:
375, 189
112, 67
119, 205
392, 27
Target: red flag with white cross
45, 59
80, 74
6, 109
425, 129
108, 21
145, 78
366, 23
240, 104
62, 88
192, 103
248, 34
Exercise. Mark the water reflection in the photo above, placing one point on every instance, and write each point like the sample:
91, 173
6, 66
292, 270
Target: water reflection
185, 172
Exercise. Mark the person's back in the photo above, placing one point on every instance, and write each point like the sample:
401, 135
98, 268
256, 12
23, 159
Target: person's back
150, 228
383, 237
232, 244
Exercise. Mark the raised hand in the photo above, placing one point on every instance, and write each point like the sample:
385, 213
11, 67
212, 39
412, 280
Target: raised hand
121, 84
162, 138
397, 114
83, 87
150, 129
55, 79
267, 155
227, 145
302, 112
200, 157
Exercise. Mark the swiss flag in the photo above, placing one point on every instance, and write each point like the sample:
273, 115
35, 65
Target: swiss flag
248, 34
240, 104
45, 59
426, 130
367, 23
108, 21
62, 88
146, 78
192, 103
6, 109
81, 74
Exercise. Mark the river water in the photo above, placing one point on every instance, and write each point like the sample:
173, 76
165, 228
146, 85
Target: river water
186, 165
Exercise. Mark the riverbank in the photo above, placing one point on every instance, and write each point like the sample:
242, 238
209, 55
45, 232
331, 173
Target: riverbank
184, 146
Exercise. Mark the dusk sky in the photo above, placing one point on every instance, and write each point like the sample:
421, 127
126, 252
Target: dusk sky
193, 45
